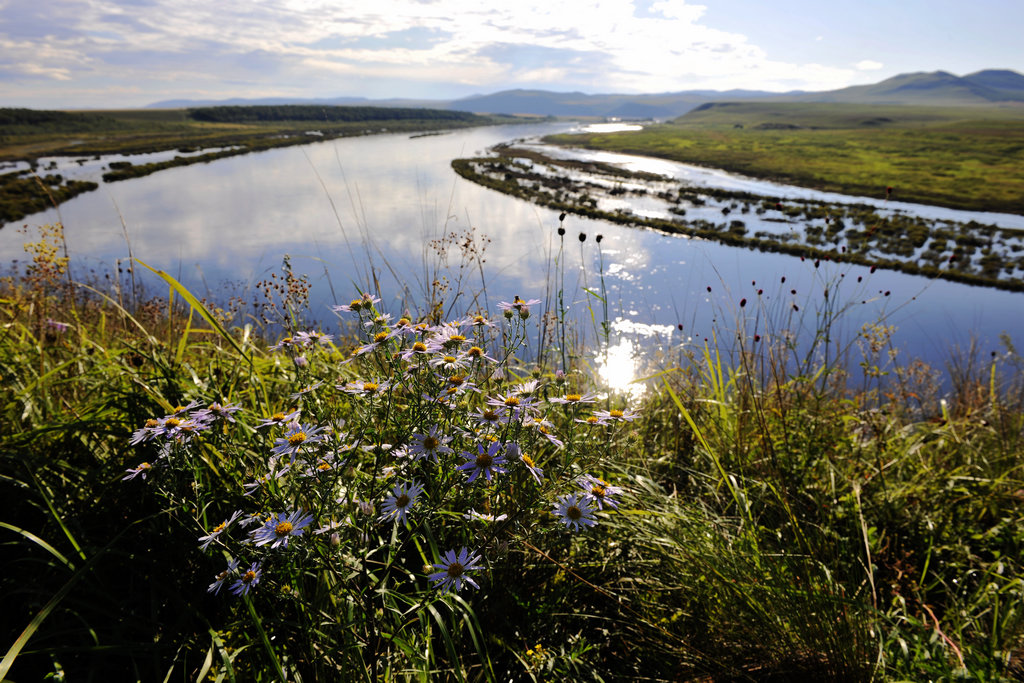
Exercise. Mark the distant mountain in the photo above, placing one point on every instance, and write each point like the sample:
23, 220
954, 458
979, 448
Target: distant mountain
535, 102
935, 87
999, 80
922, 88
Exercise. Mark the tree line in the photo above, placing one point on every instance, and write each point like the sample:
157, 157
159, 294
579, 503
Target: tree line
322, 113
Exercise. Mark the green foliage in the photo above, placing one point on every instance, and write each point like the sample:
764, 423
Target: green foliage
21, 121
783, 516
22, 194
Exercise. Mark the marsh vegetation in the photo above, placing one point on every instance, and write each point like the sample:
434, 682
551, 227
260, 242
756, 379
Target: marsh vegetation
418, 495
967, 252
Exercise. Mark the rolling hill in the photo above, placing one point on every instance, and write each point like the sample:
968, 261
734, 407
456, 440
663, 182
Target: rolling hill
923, 88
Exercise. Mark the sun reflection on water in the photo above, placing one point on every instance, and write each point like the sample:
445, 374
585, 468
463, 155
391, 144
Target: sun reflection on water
617, 369
621, 365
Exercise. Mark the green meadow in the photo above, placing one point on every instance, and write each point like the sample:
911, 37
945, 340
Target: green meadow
443, 491
969, 157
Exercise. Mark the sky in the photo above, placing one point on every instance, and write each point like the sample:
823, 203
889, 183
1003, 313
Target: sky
68, 54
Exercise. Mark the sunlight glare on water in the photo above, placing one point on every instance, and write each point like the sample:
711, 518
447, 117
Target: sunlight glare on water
623, 363
617, 369
615, 127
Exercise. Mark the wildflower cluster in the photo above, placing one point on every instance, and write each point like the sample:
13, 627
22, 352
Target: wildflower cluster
419, 440
178, 428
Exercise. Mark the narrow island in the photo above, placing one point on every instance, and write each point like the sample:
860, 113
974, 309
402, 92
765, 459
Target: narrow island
970, 252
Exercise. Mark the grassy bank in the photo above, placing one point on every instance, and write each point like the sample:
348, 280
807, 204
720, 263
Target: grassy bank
962, 157
188, 494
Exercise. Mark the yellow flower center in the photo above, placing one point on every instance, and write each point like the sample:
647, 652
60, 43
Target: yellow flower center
249, 576
543, 430
277, 417
419, 347
593, 419
380, 336
370, 387
283, 529
145, 466
430, 443
355, 304
490, 415
297, 438
457, 338
475, 352
511, 401
615, 413
403, 322
528, 460
178, 409
598, 491
457, 380
573, 397
152, 423
323, 466
449, 359
172, 422
219, 528
454, 570
478, 320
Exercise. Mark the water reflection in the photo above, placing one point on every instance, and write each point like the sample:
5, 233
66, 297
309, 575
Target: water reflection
628, 357
617, 369
388, 211
613, 127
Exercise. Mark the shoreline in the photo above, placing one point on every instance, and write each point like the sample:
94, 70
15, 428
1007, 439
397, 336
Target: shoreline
873, 240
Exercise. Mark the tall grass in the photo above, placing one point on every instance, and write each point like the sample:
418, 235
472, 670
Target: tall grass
781, 509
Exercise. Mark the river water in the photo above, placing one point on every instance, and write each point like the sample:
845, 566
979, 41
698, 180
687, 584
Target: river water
356, 211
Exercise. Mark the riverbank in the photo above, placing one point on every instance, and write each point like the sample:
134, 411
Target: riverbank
970, 252
960, 157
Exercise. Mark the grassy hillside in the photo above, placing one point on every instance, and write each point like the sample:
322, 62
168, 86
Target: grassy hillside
935, 88
962, 157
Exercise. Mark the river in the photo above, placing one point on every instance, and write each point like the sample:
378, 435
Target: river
352, 210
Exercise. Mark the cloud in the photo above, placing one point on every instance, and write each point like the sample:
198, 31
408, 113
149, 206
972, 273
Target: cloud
320, 48
868, 65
